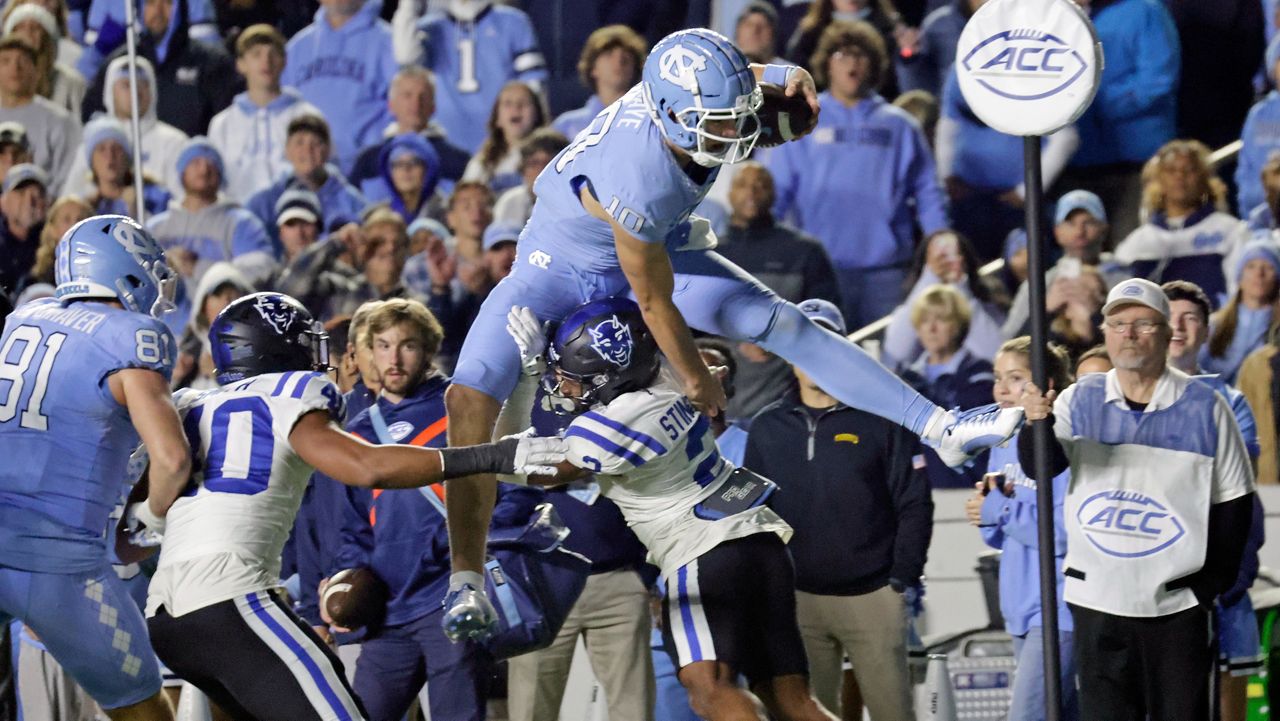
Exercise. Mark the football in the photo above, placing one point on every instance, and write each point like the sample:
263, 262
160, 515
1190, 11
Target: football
355, 598
782, 118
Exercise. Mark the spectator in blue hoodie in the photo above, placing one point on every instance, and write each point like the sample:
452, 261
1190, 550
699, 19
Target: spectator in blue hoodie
342, 63
1135, 110
410, 170
610, 64
864, 154
1260, 138
403, 538
474, 47
306, 149
1249, 318
1262, 219
1004, 509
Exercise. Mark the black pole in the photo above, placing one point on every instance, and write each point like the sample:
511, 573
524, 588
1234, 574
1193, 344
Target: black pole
1044, 484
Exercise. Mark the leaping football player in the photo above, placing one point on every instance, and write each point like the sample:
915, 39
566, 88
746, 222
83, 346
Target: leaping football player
613, 217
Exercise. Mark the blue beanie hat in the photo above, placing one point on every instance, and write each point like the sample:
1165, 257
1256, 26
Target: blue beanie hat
100, 130
201, 147
1259, 250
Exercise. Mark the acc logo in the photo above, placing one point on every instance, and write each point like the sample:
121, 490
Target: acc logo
1131, 291
1024, 64
399, 430
680, 66
1128, 524
276, 312
612, 340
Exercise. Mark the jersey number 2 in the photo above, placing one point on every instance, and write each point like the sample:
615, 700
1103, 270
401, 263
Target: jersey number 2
15, 372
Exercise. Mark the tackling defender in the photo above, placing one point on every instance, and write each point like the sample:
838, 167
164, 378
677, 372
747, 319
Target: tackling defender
730, 586
613, 216
256, 440
87, 375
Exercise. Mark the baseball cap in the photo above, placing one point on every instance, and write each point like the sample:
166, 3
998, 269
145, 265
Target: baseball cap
498, 233
12, 133
824, 313
297, 204
1079, 200
1137, 291
23, 173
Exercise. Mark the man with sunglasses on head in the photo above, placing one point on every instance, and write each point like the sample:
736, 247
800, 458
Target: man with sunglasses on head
1157, 515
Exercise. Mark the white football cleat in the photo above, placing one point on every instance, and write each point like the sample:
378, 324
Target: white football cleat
971, 432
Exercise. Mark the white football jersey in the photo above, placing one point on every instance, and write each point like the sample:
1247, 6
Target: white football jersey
655, 456
224, 536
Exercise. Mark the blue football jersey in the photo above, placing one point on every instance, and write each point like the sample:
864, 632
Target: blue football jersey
65, 440
624, 159
472, 61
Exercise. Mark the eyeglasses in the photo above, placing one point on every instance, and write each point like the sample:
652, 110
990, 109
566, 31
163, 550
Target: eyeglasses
850, 54
1143, 327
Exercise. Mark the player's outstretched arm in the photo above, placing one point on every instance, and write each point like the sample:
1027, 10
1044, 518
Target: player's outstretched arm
648, 271
353, 461
150, 402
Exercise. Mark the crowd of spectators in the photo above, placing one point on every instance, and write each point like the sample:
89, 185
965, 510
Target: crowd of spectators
348, 151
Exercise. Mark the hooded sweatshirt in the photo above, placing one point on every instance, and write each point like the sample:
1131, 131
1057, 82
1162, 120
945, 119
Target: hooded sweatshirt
382, 190
346, 73
195, 338
340, 202
222, 231
161, 142
194, 80
1261, 137
251, 140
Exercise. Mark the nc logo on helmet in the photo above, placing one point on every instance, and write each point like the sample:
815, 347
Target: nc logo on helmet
680, 66
276, 312
612, 340
134, 243
1024, 64
1128, 524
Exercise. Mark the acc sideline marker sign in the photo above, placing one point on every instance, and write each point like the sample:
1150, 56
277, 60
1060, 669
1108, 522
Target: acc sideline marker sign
1028, 67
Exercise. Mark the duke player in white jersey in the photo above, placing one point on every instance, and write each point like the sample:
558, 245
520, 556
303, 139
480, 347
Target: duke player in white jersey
613, 217
214, 615
730, 586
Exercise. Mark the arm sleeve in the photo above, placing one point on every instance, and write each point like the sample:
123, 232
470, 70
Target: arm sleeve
913, 502
305, 531
1156, 75
517, 411
1245, 420
138, 341
1057, 153
1059, 438
944, 143
405, 42
1229, 526
305, 276
995, 509
781, 164
621, 437
1249, 167
1023, 523
1249, 560
355, 545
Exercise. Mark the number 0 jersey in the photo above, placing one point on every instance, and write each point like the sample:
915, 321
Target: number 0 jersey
223, 537
656, 458
64, 440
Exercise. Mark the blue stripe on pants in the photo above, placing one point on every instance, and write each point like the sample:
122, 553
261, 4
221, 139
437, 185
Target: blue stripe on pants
307, 662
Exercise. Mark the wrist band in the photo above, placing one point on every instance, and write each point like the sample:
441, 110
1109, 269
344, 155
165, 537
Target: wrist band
496, 457
777, 74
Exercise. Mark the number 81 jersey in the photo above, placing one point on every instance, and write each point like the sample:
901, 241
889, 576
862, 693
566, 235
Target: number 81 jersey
224, 535
64, 440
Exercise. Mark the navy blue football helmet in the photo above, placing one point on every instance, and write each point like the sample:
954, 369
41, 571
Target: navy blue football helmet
606, 346
266, 333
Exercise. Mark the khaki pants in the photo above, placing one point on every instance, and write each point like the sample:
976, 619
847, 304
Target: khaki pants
612, 616
871, 630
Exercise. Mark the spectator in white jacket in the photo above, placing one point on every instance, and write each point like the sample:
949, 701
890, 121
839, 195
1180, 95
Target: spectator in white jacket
161, 142
250, 133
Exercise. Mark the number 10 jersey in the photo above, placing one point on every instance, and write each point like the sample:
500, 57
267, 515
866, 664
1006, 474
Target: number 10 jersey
224, 535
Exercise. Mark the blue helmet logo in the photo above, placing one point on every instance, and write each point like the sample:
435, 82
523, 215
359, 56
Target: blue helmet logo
275, 311
611, 338
1128, 524
1024, 64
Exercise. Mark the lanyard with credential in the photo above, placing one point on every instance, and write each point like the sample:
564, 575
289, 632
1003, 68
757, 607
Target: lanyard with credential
384, 437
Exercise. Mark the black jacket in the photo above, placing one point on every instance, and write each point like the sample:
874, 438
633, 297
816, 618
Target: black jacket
195, 81
796, 267
852, 485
